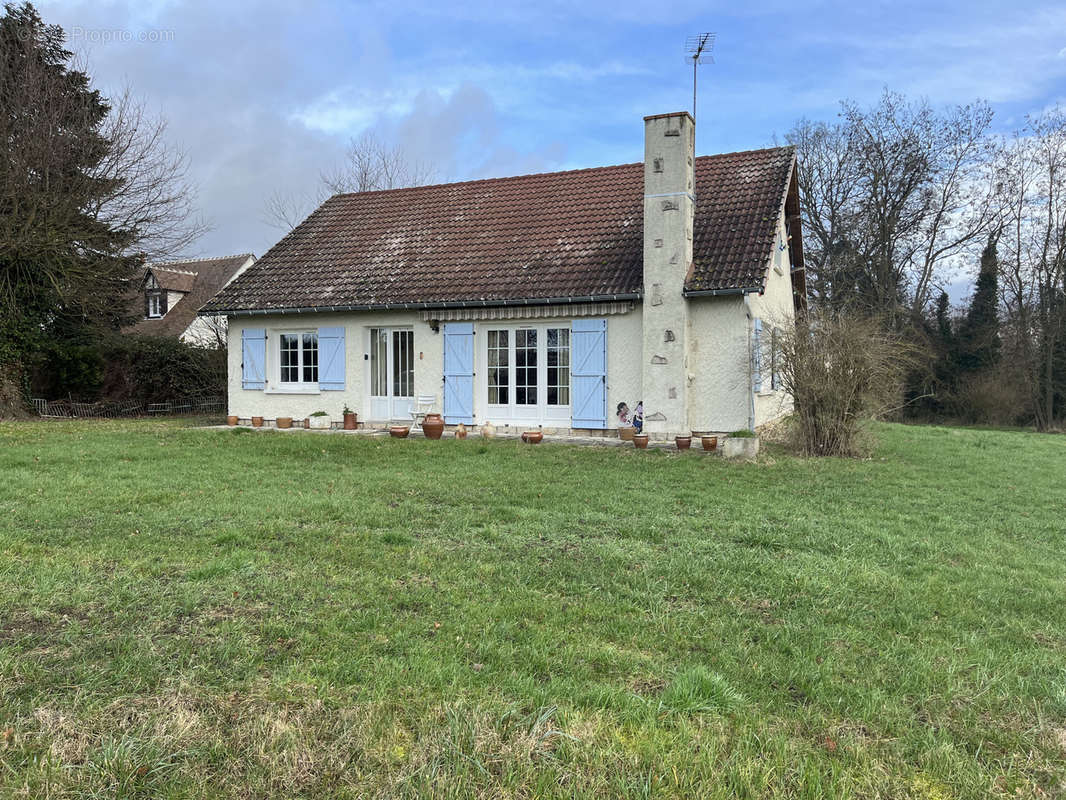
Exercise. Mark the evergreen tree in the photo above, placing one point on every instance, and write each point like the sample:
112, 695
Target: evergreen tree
978, 339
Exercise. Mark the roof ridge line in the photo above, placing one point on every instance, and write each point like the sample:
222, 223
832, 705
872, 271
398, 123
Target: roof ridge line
163, 264
543, 174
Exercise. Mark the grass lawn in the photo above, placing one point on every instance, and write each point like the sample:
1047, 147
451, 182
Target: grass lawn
189, 613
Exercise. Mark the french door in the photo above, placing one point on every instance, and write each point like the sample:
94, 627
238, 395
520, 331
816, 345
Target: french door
392, 373
527, 374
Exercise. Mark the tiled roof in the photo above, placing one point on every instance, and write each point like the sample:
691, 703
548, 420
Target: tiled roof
204, 277
174, 280
575, 234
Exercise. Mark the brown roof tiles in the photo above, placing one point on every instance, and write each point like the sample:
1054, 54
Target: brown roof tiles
575, 234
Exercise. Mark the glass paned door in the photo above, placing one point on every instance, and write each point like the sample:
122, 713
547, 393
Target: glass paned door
527, 374
392, 373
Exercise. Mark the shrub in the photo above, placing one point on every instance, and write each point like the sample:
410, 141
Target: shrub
840, 370
113, 368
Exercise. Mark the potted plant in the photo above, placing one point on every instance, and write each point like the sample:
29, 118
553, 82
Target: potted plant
257, 422
319, 420
433, 426
640, 441
350, 419
626, 432
741, 444
460, 431
231, 420
709, 443
283, 422
683, 442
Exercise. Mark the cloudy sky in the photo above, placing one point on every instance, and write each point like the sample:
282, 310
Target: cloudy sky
265, 95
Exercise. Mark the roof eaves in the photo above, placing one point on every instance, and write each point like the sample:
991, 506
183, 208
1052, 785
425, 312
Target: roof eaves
349, 307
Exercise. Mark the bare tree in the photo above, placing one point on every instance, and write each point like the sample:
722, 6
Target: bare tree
370, 164
1032, 188
892, 195
151, 194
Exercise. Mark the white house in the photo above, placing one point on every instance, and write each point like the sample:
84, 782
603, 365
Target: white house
534, 301
169, 294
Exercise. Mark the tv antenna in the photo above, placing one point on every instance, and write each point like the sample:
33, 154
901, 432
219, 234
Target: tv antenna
699, 49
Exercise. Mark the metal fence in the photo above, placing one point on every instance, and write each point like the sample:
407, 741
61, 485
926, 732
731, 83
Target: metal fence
129, 408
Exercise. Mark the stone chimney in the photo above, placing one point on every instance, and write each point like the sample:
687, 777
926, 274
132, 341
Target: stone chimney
669, 207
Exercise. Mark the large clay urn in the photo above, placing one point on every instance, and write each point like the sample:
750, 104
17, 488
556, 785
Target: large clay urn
433, 426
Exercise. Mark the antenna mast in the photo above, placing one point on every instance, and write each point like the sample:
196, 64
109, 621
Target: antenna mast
699, 49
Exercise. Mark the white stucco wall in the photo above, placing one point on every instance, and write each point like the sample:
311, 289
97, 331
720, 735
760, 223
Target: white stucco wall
719, 341
776, 309
623, 363
718, 363
245, 403
205, 331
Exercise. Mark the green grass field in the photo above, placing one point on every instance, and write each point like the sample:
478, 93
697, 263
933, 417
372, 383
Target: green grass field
189, 613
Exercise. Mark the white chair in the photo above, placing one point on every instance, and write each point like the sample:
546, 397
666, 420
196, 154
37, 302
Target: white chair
423, 404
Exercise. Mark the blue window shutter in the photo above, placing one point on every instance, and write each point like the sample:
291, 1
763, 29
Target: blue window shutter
756, 355
331, 359
253, 358
459, 372
588, 373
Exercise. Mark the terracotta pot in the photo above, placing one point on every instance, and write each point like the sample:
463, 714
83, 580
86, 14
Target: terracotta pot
257, 422
433, 426
709, 443
231, 420
488, 430
284, 422
640, 441
460, 431
626, 433
532, 437
399, 431
351, 421
683, 442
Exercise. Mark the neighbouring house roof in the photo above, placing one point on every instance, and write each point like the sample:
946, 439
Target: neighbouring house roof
552, 236
199, 280
174, 280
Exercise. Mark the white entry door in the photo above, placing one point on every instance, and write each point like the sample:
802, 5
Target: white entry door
392, 373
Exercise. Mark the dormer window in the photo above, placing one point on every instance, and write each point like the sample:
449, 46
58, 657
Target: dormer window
155, 305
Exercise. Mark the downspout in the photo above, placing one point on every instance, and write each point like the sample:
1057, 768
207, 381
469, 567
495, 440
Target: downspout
751, 375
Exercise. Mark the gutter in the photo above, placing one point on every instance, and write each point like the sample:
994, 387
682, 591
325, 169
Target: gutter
594, 298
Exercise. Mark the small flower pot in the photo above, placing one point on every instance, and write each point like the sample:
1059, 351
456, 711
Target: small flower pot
351, 421
319, 423
626, 433
683, 442
488, 431
257, 422
460, 431
231, 420
433, 426
399, 431
640, 441
709, 443
532, 437
284, 422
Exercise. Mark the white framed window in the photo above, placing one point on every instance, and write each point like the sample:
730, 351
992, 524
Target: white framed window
525, 360
775, 358
499, 367
558, 366
155, 305
298, 359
